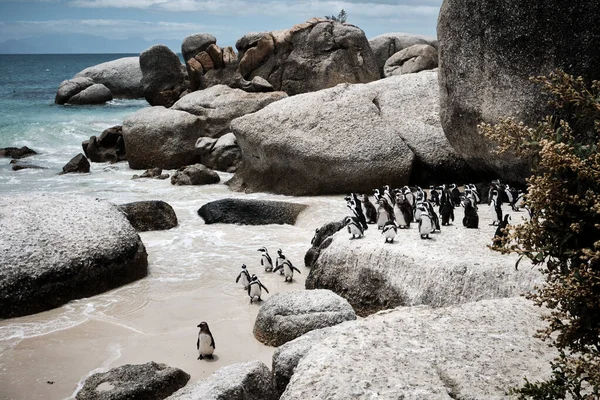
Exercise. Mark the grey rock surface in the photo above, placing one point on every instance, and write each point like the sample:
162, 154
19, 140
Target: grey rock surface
196, 43
109, 146
56, 248
151, 215
250, 212
388, 44
244, 381
286, 316
318, 241
160, 137
122, 76
338, 53
222, 154
453, 267
95, 94
153, 173
470, 351
78, 164
349, 138
16, 152
70, 87
487, 55
416, 58
163, 77
218, 105
150, 381
196, 174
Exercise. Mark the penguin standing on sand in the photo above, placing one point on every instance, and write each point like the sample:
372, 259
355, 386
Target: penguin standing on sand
205, 343
434, 195
500, 231
255, 289
354, 227
389, 231
446, 206
409, 196
471, 219
244, 276
288, 270
354, 204
377, 195
455, 195
278, 261
434, 217
402, 212
265, 259
370, 210
495, 207
425, 225
387, 193
385, 213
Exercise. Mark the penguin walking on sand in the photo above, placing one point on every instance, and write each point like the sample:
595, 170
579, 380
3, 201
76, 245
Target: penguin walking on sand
425, 225
501, 231
278, 261
434, 217
402, 212
255, 289
265, 259
205, 343
288, 270
244, 277
385, 213
354, 227
370, 210
389, 231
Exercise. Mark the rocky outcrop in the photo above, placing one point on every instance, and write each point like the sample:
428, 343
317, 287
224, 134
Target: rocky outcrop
70, 88
350, 138
386, 45
109, 146
196, 174
488, 54
250, 212
56, 248
196, 43
470, 351
150, 215
150, 381
217, 106
286, 316
416, 58
155, 173
123, 77
320, 242
78, 164
18, 165
222, 154
95, 94
244, 381
455, 266
16, 152
163, 76
338, 53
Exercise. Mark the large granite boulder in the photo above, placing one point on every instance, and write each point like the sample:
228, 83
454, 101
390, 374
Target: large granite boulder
56, 248
453, 267
388, 44
244, 381
285, 316
196, 43
70, 87
150, 381
218, 105
470, 351
416, 58
250, 212
161, 137
222, 154
152, 215
311, 56
489, 50
350, 138
196, 174
78, 164
163, 76
109, 146
122, 76
95, 94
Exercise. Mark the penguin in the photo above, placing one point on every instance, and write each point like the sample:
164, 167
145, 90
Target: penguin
434, 217
425, 225
265, 259
389, 231
417, 213
385, 213
475, 193
471, 219
408, 195
517, 202
402, 212
354, 227
421, 195
446, 206
388, 195
509, 194
370, 210
377, 195
434, 195
500, 232
288, 270
455, 193
355, 205
495, 207
255, 289
278, 261
205, 343
244, 276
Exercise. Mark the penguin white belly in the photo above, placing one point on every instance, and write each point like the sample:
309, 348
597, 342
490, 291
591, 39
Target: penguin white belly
417, 215
255, 291
382, 218
205, 348
389, 233
399, 216
425, 227
244, 280
493, 212
287, 271
352, 229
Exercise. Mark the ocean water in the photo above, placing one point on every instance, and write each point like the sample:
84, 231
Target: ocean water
192, 268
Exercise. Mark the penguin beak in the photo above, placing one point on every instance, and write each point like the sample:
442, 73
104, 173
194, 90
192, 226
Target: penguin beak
198, 326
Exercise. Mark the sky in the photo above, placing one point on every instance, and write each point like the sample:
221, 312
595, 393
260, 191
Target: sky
68, 26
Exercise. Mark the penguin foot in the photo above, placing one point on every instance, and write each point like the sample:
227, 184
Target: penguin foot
209, 356
200, 357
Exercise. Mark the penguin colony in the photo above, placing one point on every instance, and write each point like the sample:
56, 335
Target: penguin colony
396, 209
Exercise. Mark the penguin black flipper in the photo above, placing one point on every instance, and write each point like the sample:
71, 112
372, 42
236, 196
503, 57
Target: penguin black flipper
263, 286
212, 342
238, 278
198, 343
295, 269
277, 268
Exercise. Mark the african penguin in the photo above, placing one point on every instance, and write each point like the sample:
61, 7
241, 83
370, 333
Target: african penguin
265, 259
425, 225
354, 227
389, 231
388, 195
255, 289
495, 207
471, 219
288, 270
409, 196
402, 212
205, 343
434, 217
370, 210
385, 213
434, 195
356, 206
244, 277
455, 193
500, 231
279, 260
446, 206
